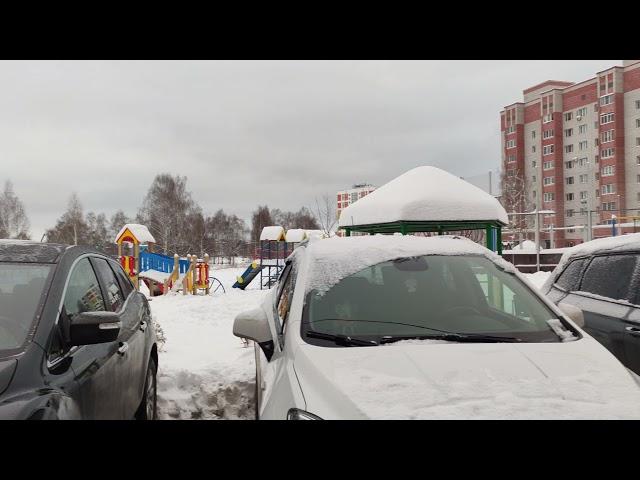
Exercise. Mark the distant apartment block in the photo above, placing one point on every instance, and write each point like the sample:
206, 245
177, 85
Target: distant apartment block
347, 197
575, 149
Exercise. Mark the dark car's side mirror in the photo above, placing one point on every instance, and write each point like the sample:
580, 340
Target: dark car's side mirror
89, 328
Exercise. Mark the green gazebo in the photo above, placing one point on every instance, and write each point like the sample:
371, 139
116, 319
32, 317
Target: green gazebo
427, 199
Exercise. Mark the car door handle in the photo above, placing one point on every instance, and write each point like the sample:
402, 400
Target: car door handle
635, 331
124, 346
143, 325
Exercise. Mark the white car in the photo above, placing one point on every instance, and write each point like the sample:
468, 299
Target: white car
393, 327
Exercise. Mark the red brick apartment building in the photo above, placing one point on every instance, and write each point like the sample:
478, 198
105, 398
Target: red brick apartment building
575, 149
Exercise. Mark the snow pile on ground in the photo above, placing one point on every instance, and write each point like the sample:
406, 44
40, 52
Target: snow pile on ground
537, 278
204, 371
424, 193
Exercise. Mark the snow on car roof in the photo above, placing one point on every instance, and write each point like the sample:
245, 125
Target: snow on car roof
599, 245
424, 194
335, 258
272, 233
29, 251
141, 232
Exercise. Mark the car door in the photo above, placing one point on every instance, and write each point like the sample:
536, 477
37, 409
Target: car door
141, 341
632, 323
131, 338
568, 280
274, 390
99, 369
602, 296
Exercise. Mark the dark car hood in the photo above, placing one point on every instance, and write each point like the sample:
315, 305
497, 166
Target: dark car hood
7, 367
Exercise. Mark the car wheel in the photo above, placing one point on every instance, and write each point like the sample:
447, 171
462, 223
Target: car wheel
148, 407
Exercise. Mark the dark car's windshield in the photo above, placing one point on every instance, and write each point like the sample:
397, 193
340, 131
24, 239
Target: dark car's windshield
21, 289
427, 296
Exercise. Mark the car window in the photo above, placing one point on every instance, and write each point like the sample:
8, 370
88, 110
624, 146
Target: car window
425, 295
83, 291
22, 287
123, 278
115, 298
285, 295
609, 276
569, 279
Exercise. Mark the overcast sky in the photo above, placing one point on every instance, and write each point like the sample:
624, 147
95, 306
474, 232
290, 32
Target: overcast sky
248, 133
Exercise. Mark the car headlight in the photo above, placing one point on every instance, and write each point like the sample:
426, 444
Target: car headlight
297, 414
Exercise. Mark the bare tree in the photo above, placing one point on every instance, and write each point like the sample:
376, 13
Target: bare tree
514, 199
13, 218
261, 218
325, 214
71, 227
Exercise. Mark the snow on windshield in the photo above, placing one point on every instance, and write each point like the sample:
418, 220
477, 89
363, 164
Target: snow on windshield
336, 258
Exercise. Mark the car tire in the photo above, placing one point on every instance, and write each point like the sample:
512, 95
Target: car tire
148, 409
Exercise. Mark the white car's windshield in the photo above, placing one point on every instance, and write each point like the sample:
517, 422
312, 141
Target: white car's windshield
21, 289
458, 298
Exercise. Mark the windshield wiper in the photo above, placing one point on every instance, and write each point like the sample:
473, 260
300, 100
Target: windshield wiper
452, 337
343, 340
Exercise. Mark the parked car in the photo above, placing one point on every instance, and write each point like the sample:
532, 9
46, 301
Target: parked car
602, 278
409, 327
76, 338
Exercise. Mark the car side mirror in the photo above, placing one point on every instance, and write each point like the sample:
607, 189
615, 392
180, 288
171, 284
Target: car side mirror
90, 328
254, 325
573, 312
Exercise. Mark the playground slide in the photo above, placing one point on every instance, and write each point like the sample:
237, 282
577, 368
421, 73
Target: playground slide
248, 275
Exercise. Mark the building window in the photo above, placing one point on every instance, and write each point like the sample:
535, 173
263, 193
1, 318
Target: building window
547, 118
511, 129
638, 160
511, 143
637, 141
638, 195
584, 178
568, 116
511, 158
568, 132
637, 122
547, 150
569, 180
534, 193
533, 149
533, 163
533, 134
569, 212
547, 134
583, 145
549, 196
582, 128
607, 153
607, 136
608, 189
608, 171
581, 112
568, 148
569, 197
568, 164
606, 118
637, 104
583, 195
583, 162
547, 165
609, 206
606, 100
637, 178
549, 181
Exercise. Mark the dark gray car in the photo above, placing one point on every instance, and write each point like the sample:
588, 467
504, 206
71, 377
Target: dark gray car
602, 278
76, 338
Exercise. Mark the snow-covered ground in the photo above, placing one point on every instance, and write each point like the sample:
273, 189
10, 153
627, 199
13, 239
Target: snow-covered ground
205, 372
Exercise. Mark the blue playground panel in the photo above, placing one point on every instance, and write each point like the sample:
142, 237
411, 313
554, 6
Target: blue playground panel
249, 274
161, 263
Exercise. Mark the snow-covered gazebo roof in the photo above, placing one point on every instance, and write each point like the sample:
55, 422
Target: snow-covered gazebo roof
426, 199
140, 232
424, 194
